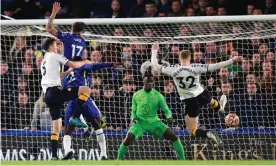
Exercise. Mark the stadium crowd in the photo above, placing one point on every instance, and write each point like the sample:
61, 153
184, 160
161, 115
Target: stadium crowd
249, 86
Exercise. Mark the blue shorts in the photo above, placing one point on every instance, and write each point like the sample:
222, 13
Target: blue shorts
90, 111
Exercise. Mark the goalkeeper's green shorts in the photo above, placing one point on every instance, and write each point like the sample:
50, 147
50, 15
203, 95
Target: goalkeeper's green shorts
157, 129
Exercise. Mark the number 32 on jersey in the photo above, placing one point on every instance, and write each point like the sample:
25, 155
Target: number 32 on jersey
182, 80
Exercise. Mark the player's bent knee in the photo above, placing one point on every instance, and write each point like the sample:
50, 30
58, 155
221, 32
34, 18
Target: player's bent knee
84, 89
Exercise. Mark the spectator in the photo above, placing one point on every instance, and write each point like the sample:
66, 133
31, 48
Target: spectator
125, 97
38, 61
185, 31
223, 75
173, 102
17, 51
194, 5
95, 93
198, 58
33, 77
196, 47
96, 80
270, 56
96, 56
270, 7
164, 6
176, 9
211, 52
263, 50
172, 56
250, 9
257, 11
21, 112
253, 108
151, 10
268, 79
210, 11
202, 7
256, 63
109, 106
224, 54
190, 12
41, 116
118, 32
221, 11
116, 10
226, 89
148, 32
138, 10
129, 62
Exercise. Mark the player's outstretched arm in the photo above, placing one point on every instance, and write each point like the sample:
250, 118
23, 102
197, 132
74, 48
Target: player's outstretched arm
97, 66
49, 27
216, 66
75, 65
154, 60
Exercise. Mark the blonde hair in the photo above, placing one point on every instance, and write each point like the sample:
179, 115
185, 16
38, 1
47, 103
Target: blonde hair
185, 54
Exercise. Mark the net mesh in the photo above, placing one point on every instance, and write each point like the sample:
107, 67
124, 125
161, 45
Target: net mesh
250, 87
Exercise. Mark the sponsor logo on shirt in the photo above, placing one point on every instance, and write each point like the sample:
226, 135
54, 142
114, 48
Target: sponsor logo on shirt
152, 99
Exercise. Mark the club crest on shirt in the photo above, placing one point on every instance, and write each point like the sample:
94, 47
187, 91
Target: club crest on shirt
152, 99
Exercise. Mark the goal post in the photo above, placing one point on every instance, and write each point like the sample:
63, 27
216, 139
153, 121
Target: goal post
250, 86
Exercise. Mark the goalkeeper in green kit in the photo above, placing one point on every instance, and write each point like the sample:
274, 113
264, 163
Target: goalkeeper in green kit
145, 104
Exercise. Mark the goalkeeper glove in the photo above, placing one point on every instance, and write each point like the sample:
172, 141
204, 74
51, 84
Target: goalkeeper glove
169, 120
103, 122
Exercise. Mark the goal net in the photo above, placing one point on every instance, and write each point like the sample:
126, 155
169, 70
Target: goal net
250, 86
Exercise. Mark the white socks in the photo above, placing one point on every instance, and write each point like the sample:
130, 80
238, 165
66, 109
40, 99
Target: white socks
67, 143
101, 141
83, 121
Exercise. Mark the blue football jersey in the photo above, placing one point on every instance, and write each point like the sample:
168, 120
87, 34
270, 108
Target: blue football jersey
83, 75
73, 44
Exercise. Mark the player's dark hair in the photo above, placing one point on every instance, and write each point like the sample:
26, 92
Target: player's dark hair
78, 27
77, 58
185, 54
48, 43
150, 2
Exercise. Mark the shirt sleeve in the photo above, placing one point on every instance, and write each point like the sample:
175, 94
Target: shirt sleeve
164, 107
63, 35
200, 68
168, 70
61, 59
133, 108
96, 66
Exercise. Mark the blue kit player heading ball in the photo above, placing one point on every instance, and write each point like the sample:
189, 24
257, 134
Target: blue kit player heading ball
83, 76
73, 42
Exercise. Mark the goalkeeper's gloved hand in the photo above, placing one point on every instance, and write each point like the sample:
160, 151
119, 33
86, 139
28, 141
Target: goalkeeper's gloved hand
169, 120
103, 122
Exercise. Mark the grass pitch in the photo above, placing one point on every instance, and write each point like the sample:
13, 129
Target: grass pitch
143, 162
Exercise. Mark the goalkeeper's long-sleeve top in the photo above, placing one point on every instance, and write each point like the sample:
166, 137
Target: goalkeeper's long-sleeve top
146, 104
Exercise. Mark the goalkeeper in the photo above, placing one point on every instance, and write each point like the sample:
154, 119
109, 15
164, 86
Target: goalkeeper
145, 104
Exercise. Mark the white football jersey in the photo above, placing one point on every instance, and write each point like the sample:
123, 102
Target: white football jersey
50, 70
186, 78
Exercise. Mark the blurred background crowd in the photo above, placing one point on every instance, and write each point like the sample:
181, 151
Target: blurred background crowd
41, 9
250, 86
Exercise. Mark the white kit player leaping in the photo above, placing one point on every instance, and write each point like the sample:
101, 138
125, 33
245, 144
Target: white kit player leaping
186, 76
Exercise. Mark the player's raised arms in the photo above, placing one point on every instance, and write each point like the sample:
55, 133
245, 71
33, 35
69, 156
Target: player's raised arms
49, 27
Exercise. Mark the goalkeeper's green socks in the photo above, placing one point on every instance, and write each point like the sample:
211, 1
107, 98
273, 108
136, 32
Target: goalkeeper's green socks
178, 147
122, 151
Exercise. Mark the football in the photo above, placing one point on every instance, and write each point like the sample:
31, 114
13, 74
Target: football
232, 120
